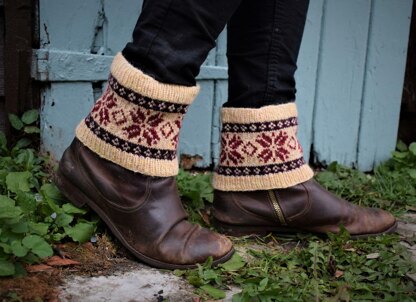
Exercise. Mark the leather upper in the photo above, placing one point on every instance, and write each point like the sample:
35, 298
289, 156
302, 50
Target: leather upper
306, 206
146, 211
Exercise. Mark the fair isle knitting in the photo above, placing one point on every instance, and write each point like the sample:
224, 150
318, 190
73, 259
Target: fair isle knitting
136, 122
260, 149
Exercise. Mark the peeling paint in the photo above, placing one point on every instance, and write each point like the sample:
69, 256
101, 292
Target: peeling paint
99, 45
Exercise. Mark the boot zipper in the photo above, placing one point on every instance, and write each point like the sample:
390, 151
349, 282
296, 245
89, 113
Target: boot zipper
277, 208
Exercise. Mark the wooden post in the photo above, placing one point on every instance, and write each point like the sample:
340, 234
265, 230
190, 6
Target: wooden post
21, 35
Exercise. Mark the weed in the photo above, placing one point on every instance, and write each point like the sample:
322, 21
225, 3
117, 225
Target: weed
33, 213
307, 268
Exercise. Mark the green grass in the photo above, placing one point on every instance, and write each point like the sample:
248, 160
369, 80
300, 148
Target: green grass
307, 268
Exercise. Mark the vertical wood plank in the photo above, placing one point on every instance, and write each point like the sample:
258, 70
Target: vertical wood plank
121, 17
64, 105
220, 97
195, 136
340, 80
68, 25
19, 18
306, 74
385, 68
221, 94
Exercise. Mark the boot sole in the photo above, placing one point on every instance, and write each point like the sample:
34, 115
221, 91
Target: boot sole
79, 199
239, 231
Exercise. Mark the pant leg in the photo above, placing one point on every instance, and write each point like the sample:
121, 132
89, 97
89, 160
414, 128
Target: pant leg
263, 47
172, 38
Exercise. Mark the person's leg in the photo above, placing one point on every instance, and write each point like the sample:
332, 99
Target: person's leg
262, 182
262, 49
123, 160
172, 38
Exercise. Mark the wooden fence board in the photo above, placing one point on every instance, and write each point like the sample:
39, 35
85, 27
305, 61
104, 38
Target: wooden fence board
64, 104
306, 74
387, 48
195, 136
120, 17
340, 82
68, 25
342, 78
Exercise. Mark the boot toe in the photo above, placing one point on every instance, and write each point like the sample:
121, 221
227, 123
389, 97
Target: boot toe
383, 222
206, 243
371, 221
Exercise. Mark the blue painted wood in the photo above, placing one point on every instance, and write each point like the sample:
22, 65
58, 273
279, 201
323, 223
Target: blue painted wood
65, 66
220, 96
332, 68
340, 81
120, 16
306, 74
63, 105
68, 25
195, 136
386, 60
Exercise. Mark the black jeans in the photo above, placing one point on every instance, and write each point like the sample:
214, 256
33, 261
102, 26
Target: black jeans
172, 39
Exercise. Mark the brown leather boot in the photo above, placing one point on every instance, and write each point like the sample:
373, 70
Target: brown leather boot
144, 213
263, 183
306, 207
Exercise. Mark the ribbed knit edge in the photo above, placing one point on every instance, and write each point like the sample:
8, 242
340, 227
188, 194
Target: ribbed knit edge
131, 77
147, 166
258, 115
272, 113
262, 182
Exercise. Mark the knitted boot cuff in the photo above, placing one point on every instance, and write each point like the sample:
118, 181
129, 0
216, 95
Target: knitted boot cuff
136, 122
260, 150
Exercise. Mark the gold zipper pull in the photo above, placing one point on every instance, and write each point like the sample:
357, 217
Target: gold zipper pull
277, 207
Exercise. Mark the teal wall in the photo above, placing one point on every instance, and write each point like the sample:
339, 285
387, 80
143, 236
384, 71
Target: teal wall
350, 76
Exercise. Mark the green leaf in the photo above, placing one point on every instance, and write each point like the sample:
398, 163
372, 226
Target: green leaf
71, 209
16, 181
234, 264
26, 201
6, 202
81, 232
18, 249
22, 143
400, 155
412, 173
39, 228
51, 191
20, 227
6, 268
31, 129
30, 116
15, 121
213, 292
412, 148
38, 246
401, 146
3, 140
8, 209
263, 284
6, 247
58, 236
63, 220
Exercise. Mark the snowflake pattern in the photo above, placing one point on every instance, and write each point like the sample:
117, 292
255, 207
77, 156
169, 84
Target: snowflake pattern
137, 124
230, 145
268, 147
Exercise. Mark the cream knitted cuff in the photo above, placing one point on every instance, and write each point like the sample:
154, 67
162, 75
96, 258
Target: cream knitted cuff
260, 149
136, 122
